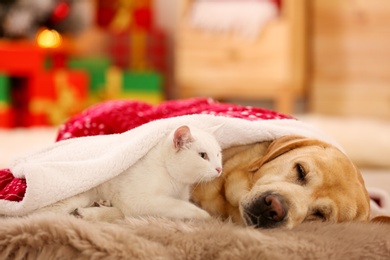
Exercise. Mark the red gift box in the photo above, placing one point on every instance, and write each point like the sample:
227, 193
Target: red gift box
139, 50
6, 117
143, 18
20, 58
56, 95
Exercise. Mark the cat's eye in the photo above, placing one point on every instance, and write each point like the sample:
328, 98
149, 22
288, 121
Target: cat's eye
204, 155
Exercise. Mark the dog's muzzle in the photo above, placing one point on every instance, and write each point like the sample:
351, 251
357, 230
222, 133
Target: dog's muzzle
268, 211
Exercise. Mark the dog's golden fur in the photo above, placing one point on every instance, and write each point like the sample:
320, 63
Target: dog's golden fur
284, 183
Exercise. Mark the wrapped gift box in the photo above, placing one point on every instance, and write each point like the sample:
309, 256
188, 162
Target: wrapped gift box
6, 116
56, 95
143, 86
6, 111
120, 15
139, 50
20, 58
4, 89
95, 67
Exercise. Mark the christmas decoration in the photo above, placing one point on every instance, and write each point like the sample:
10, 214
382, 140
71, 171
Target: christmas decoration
13, 52
23, 18
55, 82
63, 96
6, 112
145, 86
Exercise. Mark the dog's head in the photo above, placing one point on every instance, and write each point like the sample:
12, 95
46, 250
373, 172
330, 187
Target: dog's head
300, 179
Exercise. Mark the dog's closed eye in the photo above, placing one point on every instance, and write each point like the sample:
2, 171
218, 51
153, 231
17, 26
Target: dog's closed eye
301, 173
318, 214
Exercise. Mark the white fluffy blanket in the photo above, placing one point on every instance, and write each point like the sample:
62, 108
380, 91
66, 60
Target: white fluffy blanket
75, 165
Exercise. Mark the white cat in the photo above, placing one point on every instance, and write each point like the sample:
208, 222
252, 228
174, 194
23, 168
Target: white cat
158, 184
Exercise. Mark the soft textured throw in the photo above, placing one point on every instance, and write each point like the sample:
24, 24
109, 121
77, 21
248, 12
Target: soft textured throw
114, 135
65, 237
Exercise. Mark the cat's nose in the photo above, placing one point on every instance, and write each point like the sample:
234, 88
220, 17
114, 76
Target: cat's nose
218, 169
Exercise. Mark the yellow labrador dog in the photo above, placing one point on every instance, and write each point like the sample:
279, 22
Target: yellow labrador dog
284, 183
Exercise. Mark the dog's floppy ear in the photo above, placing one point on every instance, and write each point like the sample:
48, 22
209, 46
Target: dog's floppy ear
381, 219
283, 145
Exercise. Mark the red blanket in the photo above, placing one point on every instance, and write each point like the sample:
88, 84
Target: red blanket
119, 116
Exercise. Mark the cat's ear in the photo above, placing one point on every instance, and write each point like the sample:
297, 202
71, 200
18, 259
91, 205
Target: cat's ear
182, 136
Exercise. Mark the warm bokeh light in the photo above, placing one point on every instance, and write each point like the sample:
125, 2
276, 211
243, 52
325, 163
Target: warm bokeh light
49, 38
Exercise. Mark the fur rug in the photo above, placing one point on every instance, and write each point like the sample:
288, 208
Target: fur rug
53, 237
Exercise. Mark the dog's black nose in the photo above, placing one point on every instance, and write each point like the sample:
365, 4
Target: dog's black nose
268, 211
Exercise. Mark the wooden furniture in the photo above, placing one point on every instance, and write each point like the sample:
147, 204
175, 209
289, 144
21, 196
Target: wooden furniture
350, 58
226, 66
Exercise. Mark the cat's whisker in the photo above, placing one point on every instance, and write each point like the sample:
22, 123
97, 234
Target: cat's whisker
202, 180
200, 183
196, 185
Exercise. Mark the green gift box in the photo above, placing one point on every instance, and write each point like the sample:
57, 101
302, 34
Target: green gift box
142, 86
96, 67
149, 82
4, 89
145, 86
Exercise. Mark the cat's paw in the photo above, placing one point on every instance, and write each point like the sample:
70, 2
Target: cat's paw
102, 203
204, 214
98, 213
76, 213
198, 214
90, 213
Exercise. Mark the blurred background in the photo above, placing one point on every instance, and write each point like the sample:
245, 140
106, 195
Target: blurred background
326, 62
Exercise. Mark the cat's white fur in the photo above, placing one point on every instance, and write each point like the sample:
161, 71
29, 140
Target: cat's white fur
158, 184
